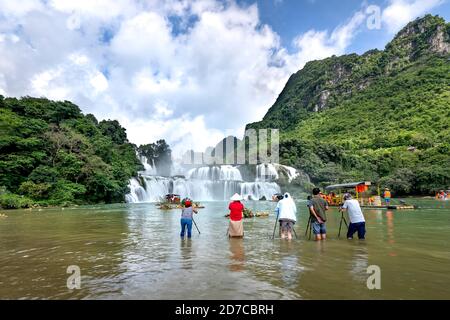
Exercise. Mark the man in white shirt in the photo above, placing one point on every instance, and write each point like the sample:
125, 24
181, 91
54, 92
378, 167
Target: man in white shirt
357, 221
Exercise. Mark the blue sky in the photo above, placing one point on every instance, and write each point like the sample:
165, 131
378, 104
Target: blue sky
188, 71
291, 17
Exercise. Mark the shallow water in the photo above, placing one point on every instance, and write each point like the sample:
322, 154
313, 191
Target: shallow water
133, 251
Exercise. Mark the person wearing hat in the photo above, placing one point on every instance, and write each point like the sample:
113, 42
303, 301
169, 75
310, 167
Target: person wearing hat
357, 221
236, 227
387, 196
186, 218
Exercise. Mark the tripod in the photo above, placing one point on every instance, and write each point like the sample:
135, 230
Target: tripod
275, 228
196, 226
340, 224
308, 226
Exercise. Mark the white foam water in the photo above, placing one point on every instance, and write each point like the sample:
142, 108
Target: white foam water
209, 183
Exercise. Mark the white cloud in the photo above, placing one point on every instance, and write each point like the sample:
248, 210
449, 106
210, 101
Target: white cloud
19, 8
314, 45
399, 12
99, 82
104, 9
190, 82
2, 85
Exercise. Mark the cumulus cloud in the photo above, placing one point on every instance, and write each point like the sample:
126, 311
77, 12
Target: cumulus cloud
399, 12
187, 71
314, 45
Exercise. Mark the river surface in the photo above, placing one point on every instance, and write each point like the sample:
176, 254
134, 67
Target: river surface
133, 251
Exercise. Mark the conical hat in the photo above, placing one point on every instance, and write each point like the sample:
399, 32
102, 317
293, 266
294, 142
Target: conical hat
236, 197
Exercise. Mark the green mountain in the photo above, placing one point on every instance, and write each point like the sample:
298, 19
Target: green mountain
382, 116
52, 154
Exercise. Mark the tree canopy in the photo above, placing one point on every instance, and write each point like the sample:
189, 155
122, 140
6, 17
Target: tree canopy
52, 154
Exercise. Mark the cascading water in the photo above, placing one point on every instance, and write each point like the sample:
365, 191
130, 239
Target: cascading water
148, 169
266, 172
207, 183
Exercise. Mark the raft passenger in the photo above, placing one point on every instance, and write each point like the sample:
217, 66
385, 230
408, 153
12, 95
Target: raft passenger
387, 196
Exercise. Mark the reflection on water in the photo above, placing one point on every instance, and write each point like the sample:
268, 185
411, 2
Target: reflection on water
390, 226
186, 254
237, 254
359, 262
134, 251
290, 266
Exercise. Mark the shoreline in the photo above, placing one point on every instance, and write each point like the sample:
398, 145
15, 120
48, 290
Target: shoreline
157, 203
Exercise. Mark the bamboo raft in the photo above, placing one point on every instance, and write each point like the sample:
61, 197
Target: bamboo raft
253, 215
173, 206
393, 207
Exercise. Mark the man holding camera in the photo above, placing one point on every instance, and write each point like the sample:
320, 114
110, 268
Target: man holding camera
317, 209
357, 221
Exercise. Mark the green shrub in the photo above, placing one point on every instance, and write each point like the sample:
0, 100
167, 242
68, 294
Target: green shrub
14, 201
66, 193
35, 191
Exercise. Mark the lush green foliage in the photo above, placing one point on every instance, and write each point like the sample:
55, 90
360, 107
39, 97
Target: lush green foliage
51, 154
383, 116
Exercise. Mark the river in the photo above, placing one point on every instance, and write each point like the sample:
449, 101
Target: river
133, 251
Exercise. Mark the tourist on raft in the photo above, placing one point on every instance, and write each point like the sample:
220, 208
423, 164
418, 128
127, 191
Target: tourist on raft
236, 227
387, 196
442, 195
286, 211
186, 218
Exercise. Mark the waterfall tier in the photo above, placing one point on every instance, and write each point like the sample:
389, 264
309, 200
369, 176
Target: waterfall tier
213, 183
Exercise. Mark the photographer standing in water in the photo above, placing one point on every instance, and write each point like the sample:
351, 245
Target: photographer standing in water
317, 208
186, 218
357, 221
286, 212
236, 227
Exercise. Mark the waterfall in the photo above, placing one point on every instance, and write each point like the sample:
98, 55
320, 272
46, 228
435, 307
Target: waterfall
137, 192
222, 173
259, 190
230, 173
209, 183
148, 169
266, 172
290, 173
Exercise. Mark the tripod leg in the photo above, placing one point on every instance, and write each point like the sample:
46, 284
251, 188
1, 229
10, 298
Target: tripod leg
196, 226
295, 233
307, 226
275, 228
340, 226
310, 228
